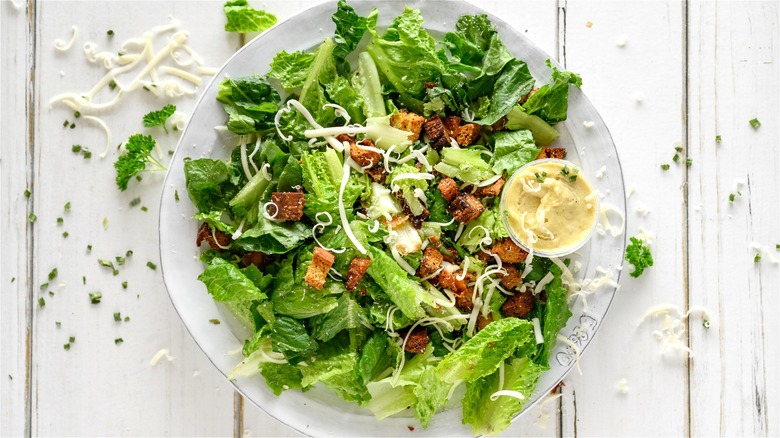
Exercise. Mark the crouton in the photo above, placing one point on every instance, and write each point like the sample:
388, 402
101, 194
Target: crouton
289, 205
416, 341
452, 123
508, 251
357, 269
467, 134
448, 188
378, 174
429, 85
437, 132
397, 221
493, 189
406, 121
430, 263
459, 287
525, 97
482, 322
465, 208
321, 262
255, 258
215, 238
365, 157
518, 305
546, 152
342, 138
512, 278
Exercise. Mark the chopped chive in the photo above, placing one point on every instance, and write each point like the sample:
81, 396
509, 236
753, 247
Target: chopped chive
688, 162
144, 209
120, 260
44, 286
717, 139
65, 234
72, 339
127, 319
41, 302
51, 294
214, 321
755, 123
112, 85
32, 218
87, 155
89, 248
110, 32
678, 148
65, 124
664, 167
757, 258
118, 341
105, 223
76, 148
58, 324
67, 206
151, 265
124, 285
706, 323
77, 114
117, 317
676, 158
66, 347
129, 253
84, 279
732, 196
176, 195
60, 221
72, 125
53, 274
135, 202
27, 193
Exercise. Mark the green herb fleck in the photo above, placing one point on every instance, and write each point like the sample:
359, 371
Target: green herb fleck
72, 125
95, 297
76, 114
66, 347
110, 32
84, 279
639, 256
32, 218
112, 85
755, 123
705, 323
214, 321
72, 339
158, 118
127, 319
144, 208
41, 302
688, 162
76, 148
60, 221
27, 193
540, 176
129, 253
120, 260
678, 149
135, 202
718, 139
117, 317
44, 286
105, 223
118, 341
51, 294
124, 285
176, 195
757, 257
65, 124
87, 154
676, 158
664, 167
65, 234
108, 264
151, 265
777, 246
58, 324
53, 274
138, 153
89, 249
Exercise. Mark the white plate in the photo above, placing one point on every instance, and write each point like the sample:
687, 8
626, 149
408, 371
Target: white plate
319, 412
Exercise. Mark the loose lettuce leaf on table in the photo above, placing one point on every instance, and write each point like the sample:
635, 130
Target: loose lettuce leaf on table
491, 417
243, 18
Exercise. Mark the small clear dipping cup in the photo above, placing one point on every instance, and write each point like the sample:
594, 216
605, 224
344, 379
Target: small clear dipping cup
593, 201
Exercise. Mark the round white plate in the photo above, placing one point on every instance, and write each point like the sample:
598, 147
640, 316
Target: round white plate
318, 412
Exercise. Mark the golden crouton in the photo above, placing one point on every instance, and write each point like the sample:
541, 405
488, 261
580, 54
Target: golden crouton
417, 340
467, 134
437, 132
364, 157
500, 125
482, 322
518, 305
357, 269
546, 152
512, 278
215, 238
452, 123
289, 205
321, 262
448, 188
508, 251
525, 97
409, 122
493, 189
465, 208
430, 263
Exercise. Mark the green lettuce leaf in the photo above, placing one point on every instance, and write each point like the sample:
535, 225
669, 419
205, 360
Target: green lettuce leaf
348, 314
375, 357
336, 368
406, 54
431, 393
214, 219
407, 295
481, 355
551, 102
208, 184
291, 69
407, 187
513, 150
466, 165
514, 81
489, 417
350, 28
474, 232
543, 133
225, 282
273, 237
556, 314
292, 296
289, 337
281, 377
243, 18
250, 102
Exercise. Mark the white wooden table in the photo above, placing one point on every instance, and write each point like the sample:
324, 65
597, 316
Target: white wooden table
662, 74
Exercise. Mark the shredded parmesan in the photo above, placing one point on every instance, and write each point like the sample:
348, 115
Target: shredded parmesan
506, 393
62, 45
103, 125
401, 262
162, 353
574, 348
538, 331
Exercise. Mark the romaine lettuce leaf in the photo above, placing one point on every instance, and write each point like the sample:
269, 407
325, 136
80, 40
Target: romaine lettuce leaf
514, 81
431, 394
336, 368
225, 282
489, 417
241, 17
466, 165
513, 150
350, 28
551, 102
289, 337
348, 314
406, 294
375, 357
543, 133
407, 186
292, 296
273, 237
481, 355
281, 376
556, 314
475, 230
250, 102
208, 184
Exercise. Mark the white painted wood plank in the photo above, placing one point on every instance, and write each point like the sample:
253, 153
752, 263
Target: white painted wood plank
734, 76
97, 387
650, 64
15, 229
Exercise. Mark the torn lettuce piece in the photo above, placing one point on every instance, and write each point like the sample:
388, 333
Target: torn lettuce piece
408, 186
555, 315
250, 102
466, 165
350, 28
551, 102
243, 18
291, 295
335, 367
348, 314
543, 133
271, 237
281, 376
226, 282
490, 417
290, 337
407, 295
513, 150
209, 184
482, 354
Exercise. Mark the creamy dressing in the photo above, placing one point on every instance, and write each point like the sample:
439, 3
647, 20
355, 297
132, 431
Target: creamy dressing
547, 207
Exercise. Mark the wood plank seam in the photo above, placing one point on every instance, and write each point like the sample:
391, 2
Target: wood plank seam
30, 237
686, 137
238, 415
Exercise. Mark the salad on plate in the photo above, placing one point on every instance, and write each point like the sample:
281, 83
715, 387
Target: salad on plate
356, 229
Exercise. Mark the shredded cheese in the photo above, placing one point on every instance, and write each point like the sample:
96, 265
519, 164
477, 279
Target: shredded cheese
62, 45
162, 353
538, 331
507, 393
575, 348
